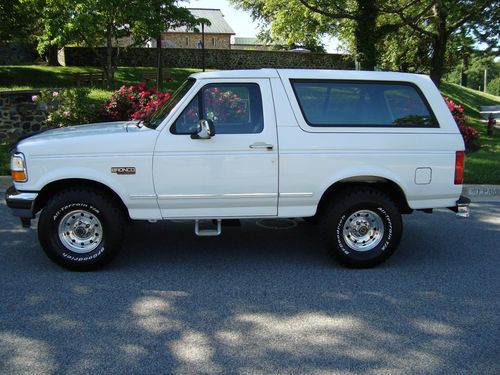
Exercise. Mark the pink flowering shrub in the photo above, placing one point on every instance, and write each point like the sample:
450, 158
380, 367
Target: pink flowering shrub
133, 103
469, 134
65, 107
225, 106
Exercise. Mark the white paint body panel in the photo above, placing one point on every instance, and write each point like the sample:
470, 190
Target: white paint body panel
222, 177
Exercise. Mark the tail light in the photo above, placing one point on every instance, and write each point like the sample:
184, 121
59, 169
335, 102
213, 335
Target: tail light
459, 167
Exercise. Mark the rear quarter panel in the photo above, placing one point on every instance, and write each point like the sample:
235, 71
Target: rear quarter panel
312, 158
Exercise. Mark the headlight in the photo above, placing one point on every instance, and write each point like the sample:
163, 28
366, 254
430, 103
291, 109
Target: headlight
18, 168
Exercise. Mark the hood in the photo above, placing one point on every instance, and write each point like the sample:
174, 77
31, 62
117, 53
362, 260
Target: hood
93, 139
92, 129
101, 128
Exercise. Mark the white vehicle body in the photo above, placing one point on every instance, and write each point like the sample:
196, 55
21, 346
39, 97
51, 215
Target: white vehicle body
283, 171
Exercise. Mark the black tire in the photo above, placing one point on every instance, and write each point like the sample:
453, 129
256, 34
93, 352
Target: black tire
98, 221
359, 243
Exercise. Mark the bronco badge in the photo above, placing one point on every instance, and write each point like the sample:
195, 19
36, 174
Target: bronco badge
123, 170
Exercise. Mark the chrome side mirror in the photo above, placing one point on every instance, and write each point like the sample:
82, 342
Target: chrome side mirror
206, 130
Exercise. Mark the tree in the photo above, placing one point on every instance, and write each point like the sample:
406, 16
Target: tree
478, 61
355, 21
436, 21
159, 17
18, 20
93, 23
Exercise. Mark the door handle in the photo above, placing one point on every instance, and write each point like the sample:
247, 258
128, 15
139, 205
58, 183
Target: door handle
267, 146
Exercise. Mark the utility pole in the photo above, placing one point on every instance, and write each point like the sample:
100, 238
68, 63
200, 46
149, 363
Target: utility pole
203, 46
485, 87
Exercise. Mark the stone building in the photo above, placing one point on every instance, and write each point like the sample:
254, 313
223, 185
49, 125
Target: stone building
217, 35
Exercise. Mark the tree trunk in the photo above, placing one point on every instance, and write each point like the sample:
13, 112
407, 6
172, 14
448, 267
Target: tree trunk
465, 66
159, 76
439, 43
109, 71
52, 56
365, 34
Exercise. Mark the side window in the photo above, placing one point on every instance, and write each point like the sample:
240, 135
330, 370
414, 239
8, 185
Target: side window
355, 104
406, 106
234, 108
187, 122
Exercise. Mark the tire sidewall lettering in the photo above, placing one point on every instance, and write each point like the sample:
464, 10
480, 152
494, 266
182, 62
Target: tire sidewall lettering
340, 242
387, 227
83, 258
67, 207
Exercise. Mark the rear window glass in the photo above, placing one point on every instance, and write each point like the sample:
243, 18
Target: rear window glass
370, 104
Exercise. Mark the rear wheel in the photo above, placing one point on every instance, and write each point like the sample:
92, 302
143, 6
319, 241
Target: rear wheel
81, 229
363, 227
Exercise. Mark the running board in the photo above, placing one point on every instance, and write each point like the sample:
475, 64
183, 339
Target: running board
205, 232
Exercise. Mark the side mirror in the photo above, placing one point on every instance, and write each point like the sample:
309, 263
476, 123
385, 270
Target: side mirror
206, 130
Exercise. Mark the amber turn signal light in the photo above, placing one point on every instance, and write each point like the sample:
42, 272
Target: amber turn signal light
18, 176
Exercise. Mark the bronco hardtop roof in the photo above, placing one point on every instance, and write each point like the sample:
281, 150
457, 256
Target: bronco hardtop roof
312, 74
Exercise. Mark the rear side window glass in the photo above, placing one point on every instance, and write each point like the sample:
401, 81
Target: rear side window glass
362, 104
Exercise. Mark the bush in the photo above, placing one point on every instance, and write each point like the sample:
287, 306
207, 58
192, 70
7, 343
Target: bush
469, 134
66, 107
133, 103
494, 87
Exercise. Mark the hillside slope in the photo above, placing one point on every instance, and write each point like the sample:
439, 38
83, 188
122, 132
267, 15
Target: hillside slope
483, 166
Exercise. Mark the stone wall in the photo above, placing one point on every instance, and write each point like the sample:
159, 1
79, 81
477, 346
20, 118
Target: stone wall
16, 53
18, 114
214, 58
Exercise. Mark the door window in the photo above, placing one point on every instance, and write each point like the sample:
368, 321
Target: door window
234, 108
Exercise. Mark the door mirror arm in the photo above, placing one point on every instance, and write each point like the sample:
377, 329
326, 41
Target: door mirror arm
206, 130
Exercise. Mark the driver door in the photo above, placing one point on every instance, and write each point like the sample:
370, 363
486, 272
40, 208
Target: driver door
234, 173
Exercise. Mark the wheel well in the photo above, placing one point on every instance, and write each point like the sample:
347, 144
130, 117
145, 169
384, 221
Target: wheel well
50, 189
382, 184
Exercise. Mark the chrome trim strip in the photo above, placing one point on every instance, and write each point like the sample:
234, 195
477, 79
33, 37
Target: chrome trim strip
218, 196
25, 197
296, 195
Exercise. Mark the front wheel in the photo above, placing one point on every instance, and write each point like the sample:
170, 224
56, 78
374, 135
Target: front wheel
362, 227
81, 229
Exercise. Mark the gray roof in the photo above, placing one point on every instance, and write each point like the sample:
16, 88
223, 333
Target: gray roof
250, 41
216, 18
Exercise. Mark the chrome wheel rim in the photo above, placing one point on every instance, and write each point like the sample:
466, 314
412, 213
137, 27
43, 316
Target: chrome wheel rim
363, 230
80, 231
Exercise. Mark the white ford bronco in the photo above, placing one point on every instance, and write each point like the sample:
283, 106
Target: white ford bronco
350, 150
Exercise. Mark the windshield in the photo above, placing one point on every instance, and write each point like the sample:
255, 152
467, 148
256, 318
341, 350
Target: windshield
164, 110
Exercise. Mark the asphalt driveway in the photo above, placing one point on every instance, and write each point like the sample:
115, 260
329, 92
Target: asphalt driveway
257, 301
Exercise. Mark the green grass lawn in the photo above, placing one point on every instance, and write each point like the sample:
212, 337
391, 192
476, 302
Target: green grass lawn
482, 167
19, 77
26, 77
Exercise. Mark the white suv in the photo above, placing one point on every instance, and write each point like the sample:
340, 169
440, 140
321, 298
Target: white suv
351, 150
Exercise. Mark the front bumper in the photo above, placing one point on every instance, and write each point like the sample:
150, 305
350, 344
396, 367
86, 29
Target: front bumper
21, 203
462, 207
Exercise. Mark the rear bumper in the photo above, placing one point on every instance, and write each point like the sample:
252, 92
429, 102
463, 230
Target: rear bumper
462, 207
21, 203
